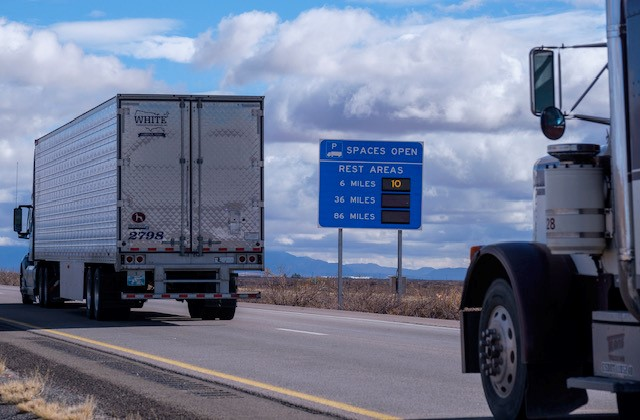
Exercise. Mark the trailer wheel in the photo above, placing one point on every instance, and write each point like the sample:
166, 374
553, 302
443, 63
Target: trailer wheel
88, 284
503, 374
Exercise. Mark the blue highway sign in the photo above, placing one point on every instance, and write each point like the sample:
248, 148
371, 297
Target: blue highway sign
370, 184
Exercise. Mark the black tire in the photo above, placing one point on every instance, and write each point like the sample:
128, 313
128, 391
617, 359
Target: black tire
227, 314
210, 313
504, 376
195, 308
628, 405
26, 299
43, 283
88, 282
100, 313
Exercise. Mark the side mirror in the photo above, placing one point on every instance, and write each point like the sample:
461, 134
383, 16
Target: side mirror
17, 220
541, 79
552, 123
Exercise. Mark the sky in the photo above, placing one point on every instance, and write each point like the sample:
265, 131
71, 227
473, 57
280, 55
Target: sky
451, 74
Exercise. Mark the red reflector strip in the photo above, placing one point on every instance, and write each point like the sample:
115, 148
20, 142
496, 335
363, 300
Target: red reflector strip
239, 249
206, 249
135, 249
168, 249
222, 249
152, 249
251, 295
257, 249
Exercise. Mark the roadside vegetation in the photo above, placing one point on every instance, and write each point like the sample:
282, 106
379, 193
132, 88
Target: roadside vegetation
427, 299
9, 278
27, 394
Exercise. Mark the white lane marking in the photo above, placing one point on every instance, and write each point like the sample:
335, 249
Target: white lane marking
375, 321
301, 332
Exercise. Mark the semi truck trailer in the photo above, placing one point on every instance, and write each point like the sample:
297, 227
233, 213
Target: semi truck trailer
544, 321
147, 197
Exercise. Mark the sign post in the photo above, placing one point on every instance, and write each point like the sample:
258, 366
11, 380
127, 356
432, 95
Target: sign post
372, 185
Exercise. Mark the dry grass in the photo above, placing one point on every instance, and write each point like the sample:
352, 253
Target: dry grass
26, 395
56, 411
429, 299
23, 390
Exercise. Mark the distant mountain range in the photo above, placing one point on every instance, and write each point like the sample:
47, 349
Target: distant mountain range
278, 262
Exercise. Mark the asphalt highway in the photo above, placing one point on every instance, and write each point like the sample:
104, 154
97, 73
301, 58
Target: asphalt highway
315, 362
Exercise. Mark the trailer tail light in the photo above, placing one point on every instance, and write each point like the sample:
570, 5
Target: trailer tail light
134, 259
252, 259
242, 259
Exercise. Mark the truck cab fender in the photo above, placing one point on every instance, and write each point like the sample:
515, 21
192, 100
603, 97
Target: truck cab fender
549, 298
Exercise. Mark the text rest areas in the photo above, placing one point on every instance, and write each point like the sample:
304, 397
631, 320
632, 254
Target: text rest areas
375, 169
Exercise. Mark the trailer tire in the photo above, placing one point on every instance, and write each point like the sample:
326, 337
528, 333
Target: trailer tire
88, 284
100, 313
227, 314
43, 284
195, 308
26, 299
209, 313
504, 376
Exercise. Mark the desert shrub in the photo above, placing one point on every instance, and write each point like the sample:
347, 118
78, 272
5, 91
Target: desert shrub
9, 278
429, 299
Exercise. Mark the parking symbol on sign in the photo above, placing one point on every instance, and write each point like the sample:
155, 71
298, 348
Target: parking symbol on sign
334, 149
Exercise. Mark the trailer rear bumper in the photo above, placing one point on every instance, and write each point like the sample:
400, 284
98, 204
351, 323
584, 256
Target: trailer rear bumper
180, 296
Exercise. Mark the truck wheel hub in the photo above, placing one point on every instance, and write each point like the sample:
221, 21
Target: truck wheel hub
498, 351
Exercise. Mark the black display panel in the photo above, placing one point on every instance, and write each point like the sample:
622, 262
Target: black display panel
402, 201
396, 217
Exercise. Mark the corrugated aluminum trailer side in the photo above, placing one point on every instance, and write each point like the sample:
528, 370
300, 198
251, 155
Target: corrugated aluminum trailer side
75, 195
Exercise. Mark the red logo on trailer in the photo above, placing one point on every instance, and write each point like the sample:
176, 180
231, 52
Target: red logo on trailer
138, 217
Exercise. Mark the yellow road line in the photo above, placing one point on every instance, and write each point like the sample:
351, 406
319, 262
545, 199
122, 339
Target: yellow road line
221, 375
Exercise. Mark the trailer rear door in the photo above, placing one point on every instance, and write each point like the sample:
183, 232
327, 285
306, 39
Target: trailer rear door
191, 175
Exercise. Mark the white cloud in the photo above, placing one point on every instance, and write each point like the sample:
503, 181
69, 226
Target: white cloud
140, 38
238, 38
6, 241
463, 6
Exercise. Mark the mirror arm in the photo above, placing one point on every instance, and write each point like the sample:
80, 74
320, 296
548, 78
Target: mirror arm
566, 47
589, 88
591, 118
